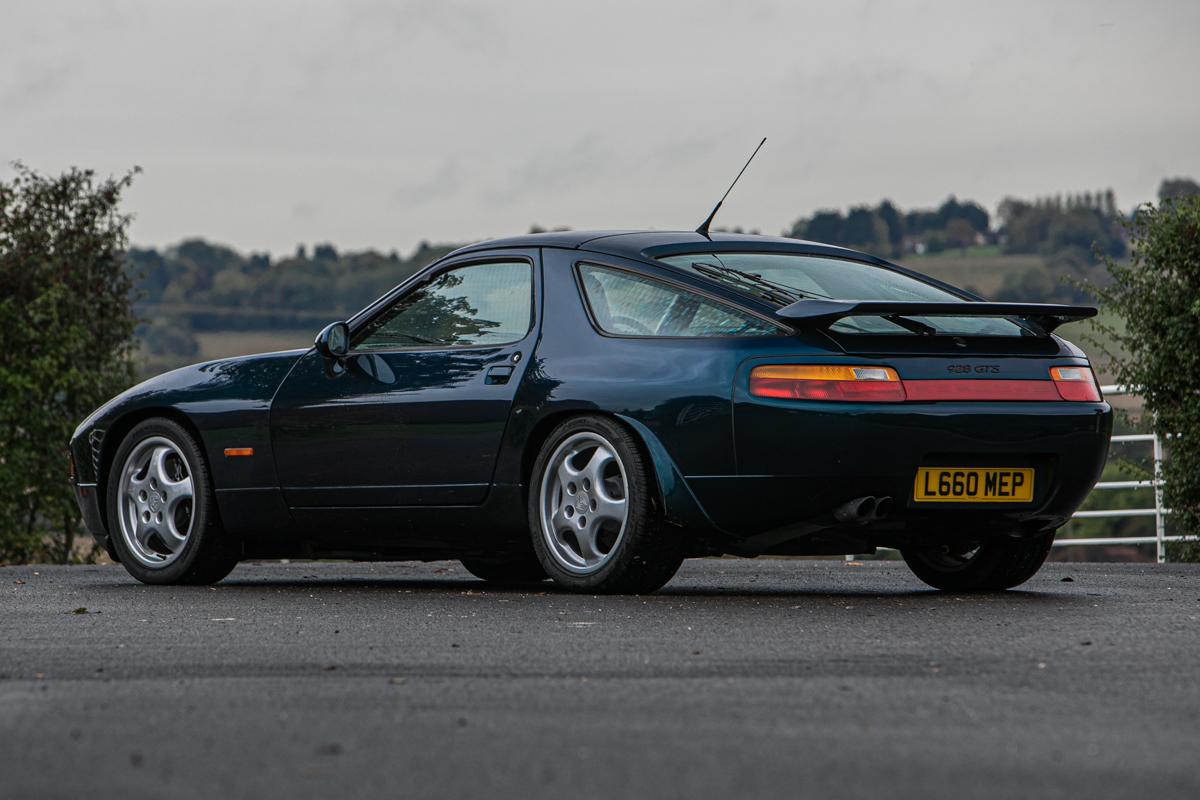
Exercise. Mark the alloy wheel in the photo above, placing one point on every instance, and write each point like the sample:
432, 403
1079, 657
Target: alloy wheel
157, 500
584, 502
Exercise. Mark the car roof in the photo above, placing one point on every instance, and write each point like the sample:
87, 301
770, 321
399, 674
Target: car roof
653, 244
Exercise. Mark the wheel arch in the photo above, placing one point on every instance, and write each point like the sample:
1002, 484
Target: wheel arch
117, 430
672, 493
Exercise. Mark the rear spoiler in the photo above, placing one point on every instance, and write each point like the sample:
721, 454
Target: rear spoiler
823, 313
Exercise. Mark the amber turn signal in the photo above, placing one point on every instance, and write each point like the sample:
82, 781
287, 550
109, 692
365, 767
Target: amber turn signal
865, 384
234, 452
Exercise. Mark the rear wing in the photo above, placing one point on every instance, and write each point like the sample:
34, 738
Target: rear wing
823, 313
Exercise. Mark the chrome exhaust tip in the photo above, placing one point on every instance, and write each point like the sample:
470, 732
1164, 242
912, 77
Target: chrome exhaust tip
857, 510
883, 507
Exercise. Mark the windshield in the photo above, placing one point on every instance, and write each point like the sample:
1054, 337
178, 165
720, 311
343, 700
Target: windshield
782, 278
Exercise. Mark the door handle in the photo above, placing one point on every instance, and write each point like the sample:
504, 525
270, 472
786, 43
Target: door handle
497, 375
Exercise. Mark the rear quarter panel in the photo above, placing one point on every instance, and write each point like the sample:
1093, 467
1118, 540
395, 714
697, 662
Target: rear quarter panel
675, 392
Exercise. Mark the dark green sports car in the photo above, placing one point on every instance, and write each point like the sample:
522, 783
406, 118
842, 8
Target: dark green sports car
596, 407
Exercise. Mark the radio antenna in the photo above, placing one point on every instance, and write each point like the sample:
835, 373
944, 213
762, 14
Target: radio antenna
703, 229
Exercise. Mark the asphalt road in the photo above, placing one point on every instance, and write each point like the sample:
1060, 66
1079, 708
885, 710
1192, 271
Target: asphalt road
765, 678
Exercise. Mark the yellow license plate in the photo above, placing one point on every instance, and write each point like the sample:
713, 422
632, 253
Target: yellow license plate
968, 485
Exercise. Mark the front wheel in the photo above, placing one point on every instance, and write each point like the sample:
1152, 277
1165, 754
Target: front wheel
996, 564
162, 511
595, 522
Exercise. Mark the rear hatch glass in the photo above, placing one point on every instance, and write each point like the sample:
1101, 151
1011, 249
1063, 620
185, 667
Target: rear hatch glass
783, 278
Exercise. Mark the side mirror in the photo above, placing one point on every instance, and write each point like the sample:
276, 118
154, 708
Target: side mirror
334, 340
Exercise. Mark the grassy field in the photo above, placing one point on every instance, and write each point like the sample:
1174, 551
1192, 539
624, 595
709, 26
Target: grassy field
980, 269
223, 344
983, 269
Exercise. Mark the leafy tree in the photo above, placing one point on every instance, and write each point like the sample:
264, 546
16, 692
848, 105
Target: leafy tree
865, 230
67, 317
970, 212
1082, 227
825, 226
1177, 187
895, 225
164, 344
960, 233
325, 252
921, 221
1047, 226
1158, 294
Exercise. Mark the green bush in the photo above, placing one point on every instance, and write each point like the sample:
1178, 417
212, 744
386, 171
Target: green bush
1157, 292
67, 322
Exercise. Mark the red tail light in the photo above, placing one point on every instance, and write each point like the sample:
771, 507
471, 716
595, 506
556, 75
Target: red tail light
827, 382
1077, 384
871, 384
981, 390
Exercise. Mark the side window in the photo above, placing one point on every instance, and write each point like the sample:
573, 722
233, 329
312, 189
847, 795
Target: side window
481, 305
632, 305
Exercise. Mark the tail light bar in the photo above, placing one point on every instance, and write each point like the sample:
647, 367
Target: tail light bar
876, 384
827, 382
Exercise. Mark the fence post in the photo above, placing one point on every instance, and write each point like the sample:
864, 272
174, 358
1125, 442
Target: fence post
1160, 526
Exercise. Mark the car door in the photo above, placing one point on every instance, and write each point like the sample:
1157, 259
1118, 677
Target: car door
414, 415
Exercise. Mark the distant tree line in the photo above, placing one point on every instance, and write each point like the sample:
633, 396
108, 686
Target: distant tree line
1044, 226
198, 286
196, 273
886, 230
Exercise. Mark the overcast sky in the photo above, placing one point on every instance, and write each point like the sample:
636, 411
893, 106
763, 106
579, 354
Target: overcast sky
376, 124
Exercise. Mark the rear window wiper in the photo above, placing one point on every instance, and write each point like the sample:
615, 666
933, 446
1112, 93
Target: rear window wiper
913, 325
764, 287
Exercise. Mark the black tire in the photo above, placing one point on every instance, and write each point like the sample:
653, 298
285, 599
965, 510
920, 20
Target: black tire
647, 553
515, 570
208, 555
999, 563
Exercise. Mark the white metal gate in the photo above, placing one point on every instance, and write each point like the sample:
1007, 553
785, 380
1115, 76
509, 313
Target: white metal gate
1158, 512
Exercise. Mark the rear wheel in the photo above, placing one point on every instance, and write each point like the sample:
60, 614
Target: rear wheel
999, 563
522, 569
596, 525
162, 514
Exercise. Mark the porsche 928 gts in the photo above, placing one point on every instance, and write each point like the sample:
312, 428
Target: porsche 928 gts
595, 407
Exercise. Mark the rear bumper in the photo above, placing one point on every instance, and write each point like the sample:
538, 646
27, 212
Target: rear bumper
799, 460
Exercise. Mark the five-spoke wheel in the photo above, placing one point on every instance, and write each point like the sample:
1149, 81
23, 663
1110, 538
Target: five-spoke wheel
157, 498
162, 519
596, 523
584, 506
